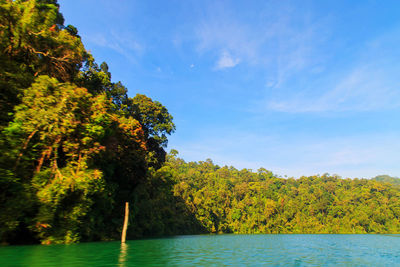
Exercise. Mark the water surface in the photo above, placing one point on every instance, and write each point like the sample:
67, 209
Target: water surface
216, 250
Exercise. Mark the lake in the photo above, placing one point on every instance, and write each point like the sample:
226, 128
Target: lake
216, 250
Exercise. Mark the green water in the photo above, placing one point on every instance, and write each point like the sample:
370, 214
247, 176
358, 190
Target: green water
216, 250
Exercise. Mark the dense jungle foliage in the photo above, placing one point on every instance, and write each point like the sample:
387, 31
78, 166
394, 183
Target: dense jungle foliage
387, 179
74, 147
227, 200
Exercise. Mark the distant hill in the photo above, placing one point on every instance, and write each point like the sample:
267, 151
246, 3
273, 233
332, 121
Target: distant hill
387, 179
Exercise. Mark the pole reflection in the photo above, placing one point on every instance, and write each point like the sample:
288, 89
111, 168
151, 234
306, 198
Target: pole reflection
123, 255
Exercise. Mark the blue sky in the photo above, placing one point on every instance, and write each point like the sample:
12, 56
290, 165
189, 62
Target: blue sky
296, 87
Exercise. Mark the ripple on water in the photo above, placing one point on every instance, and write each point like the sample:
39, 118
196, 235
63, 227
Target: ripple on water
216, 250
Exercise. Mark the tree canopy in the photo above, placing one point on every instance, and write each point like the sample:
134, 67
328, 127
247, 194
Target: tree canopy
74, 147
227, 200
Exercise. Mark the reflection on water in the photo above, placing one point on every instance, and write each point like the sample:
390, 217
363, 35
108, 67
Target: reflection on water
122, 255
206, 250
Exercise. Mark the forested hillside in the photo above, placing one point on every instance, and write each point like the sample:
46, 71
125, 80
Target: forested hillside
227, 200
387, 179
74, 147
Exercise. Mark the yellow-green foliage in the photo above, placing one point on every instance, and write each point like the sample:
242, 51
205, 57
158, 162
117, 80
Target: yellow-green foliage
74, 148
73, 145
227, 200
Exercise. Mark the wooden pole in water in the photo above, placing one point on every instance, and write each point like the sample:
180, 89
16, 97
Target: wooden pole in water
123, 238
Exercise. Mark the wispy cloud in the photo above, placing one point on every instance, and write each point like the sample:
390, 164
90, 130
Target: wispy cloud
278, 40
370, 83
298, 53
226, 61
220, 30
122, 43
223, 33
363, 89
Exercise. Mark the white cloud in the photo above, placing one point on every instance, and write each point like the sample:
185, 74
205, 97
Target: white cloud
300, 56
280, 40
226, 61
222, 32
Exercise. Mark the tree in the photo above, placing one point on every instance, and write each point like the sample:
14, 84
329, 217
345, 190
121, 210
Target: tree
33, 41
73, 145
157, 124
